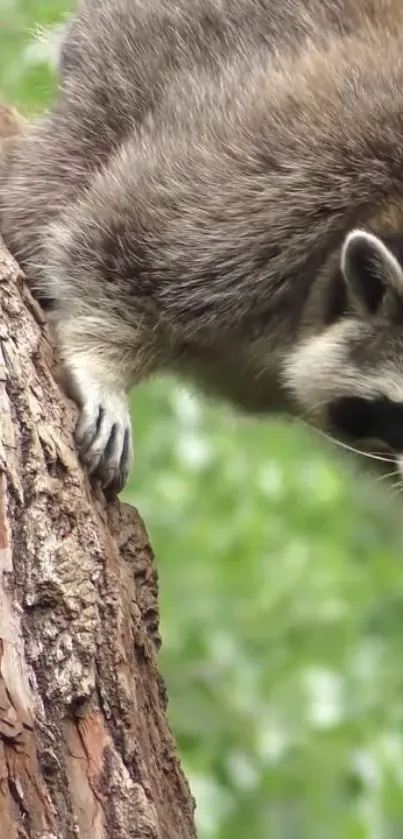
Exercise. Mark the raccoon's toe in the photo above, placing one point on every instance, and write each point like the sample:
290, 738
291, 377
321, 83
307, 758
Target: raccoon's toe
104, 438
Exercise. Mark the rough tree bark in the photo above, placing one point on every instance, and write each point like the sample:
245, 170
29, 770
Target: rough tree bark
85, 748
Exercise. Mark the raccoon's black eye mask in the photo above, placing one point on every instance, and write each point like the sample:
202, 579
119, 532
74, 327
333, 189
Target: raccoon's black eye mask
356, 418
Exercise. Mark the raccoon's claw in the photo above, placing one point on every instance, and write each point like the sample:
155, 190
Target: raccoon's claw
104, 439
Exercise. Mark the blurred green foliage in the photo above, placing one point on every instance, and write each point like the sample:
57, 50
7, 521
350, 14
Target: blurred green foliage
281, 590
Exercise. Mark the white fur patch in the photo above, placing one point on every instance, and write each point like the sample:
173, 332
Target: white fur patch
319, 370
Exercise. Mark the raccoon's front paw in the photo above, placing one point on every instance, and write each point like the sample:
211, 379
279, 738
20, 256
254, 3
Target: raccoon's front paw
104, 437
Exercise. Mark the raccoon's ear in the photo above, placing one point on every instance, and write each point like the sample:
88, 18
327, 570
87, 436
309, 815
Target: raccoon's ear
370, 270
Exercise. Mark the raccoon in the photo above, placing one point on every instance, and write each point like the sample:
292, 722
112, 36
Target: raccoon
218, 192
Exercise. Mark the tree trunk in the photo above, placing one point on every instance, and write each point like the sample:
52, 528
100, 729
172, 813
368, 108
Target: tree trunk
85, 748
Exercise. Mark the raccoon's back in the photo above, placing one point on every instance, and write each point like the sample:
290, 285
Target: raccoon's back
119, 59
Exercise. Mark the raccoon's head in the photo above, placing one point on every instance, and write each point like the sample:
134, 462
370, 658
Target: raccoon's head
348, 379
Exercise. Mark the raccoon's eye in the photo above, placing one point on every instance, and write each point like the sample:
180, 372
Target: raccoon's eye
358, 419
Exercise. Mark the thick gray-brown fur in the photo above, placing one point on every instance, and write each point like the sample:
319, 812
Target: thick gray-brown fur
184, 205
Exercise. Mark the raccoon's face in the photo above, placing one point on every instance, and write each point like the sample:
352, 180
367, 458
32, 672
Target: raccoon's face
348, 380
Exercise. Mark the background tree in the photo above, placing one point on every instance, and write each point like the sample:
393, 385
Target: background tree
281, 592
